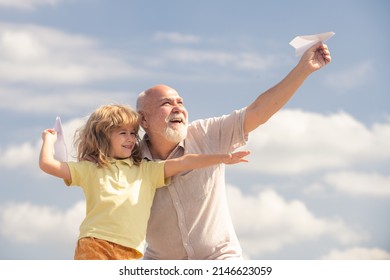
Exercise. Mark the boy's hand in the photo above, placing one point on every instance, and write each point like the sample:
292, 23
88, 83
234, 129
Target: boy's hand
237, 157
49, 134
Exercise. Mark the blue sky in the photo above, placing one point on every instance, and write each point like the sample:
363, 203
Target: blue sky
318, 182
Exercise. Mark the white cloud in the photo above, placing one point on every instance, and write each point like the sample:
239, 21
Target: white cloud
26, 154
358, 253
314, 189
360, 184
40, 55
27, 223
272, 223
295, 141
60, 102
37, 55
28, 4
353, 77
177, 38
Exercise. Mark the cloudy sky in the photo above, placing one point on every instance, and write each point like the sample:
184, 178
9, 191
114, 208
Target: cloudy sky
318, 182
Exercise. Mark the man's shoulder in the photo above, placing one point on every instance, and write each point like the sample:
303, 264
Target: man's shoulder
216, 119
202, 122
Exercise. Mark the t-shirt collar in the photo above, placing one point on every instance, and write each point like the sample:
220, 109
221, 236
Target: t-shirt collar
128, 161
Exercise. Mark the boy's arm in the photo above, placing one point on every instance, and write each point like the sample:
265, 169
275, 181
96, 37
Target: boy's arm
194, 161
47, 162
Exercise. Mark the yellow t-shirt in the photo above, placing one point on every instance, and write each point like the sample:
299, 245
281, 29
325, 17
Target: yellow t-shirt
118, 198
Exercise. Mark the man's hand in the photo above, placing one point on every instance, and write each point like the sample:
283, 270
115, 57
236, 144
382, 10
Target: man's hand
316, 57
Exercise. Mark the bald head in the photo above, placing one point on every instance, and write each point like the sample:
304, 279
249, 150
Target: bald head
153, 92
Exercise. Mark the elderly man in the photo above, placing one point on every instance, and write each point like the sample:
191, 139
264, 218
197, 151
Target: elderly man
190, 218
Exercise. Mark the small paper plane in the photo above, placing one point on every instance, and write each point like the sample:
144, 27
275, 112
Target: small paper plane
304, 42
60, 151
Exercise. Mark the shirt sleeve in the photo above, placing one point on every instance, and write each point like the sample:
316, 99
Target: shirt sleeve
77, 173
221, 134
156, 173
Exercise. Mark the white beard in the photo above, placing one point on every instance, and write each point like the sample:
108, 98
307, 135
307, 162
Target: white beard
176, 135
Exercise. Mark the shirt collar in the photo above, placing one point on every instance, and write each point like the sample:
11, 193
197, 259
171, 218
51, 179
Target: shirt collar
146, 154
127, 161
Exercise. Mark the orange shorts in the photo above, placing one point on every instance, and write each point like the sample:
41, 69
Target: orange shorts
91, 248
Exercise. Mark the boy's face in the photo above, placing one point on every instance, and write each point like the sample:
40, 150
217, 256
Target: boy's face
122, 142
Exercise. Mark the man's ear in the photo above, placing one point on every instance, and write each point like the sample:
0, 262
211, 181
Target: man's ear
143, 123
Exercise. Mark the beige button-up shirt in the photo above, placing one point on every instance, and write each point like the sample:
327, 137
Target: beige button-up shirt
190, 218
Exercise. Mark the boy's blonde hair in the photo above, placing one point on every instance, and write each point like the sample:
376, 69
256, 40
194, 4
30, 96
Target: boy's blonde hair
93, 139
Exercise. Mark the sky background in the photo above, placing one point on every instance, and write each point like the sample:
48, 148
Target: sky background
318, 182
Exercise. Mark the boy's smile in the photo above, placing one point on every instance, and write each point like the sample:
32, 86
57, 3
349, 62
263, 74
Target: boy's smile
122, 142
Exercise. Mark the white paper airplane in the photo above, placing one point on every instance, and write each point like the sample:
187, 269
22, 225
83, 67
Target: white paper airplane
304, 42
60, 151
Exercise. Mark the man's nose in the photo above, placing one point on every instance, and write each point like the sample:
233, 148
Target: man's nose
178, 108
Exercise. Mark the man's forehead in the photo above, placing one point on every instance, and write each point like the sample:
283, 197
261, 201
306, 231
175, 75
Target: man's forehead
171, 98
160, 94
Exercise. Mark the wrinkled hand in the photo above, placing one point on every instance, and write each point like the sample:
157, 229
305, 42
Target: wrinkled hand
317, 56
237, 157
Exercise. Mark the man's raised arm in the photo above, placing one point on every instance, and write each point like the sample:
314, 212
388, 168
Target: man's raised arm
272, 100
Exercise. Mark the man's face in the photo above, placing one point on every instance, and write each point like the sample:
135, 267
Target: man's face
165, 115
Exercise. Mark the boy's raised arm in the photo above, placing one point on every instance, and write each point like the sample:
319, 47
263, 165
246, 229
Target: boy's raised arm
47, 162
